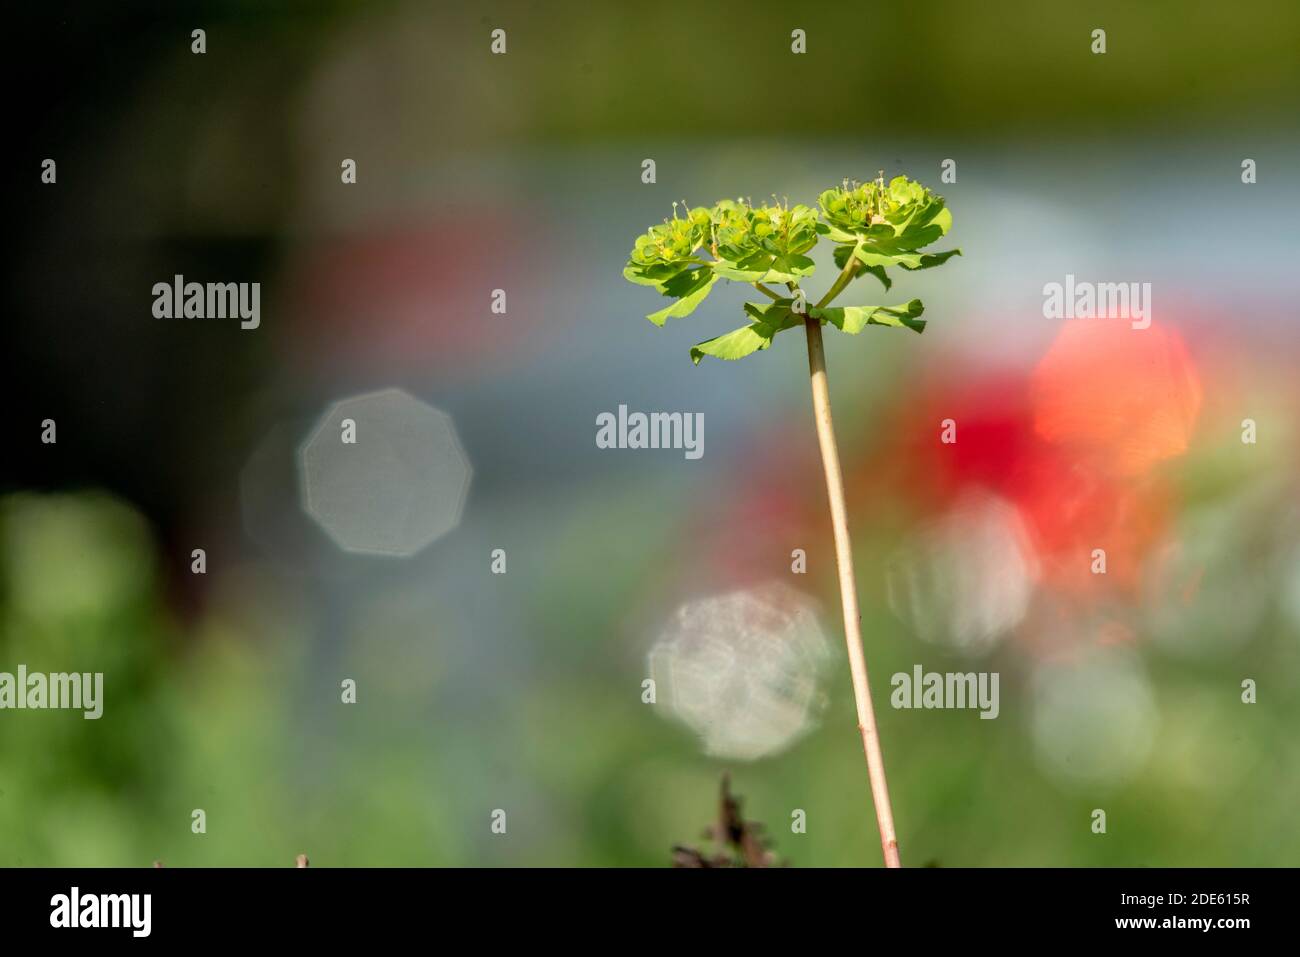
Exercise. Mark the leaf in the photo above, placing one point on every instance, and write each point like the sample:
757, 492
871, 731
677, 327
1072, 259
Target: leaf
690, 288
842, 254
751, 269
775, 313
853, 319
789, 267
769, 319
735, 344
908, 260
836, 234
687, 283
879, 273
765, 267
930, 260
655, 275
924, 224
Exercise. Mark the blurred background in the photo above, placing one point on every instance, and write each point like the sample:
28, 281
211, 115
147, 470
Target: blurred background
523, 691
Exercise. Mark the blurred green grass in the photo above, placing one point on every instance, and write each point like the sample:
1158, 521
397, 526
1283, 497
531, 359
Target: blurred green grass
234, 720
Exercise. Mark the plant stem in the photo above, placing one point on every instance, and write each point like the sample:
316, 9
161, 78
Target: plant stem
848, 584
843, 279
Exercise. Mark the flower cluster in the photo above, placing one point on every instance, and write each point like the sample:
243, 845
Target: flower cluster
856, 207
874, 226
674, 241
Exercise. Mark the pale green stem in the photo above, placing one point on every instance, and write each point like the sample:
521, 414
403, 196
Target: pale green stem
867, 727
848, 590
845, 277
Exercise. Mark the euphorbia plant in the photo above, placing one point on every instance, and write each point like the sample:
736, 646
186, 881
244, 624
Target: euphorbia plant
874, 227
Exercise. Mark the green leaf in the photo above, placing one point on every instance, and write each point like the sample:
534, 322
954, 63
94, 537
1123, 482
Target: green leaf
687, 283
764, 267
690, 289
842, 254
653, 275
836, 234
908, 260
924, 224
769, 319
853, 319
790, 267
754, 268
879, 273
735, 344
930, 260
776, 313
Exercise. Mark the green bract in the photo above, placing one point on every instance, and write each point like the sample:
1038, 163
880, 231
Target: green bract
886, 225
765, 244
666, 250
874, 226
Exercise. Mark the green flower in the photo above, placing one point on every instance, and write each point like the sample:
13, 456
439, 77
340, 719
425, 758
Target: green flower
732, 225
873, 224
665, 257
763, 243
786, 232
672, 243
851, 210
885, 225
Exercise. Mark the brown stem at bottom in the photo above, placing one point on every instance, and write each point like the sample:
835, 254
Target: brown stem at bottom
849, 593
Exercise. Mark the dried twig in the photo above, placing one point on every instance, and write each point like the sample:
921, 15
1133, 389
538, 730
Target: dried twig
741, 842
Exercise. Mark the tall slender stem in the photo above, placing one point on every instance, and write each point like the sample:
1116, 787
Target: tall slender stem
848, 584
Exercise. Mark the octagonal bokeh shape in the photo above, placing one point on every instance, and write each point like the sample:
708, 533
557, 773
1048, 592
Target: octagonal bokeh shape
398, 487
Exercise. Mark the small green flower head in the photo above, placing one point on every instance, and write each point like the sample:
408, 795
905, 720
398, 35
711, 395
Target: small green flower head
856, 207
852, 207
781, 231
674, 241
901, 192
910, 208
885, 221
742, 231
732, 223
